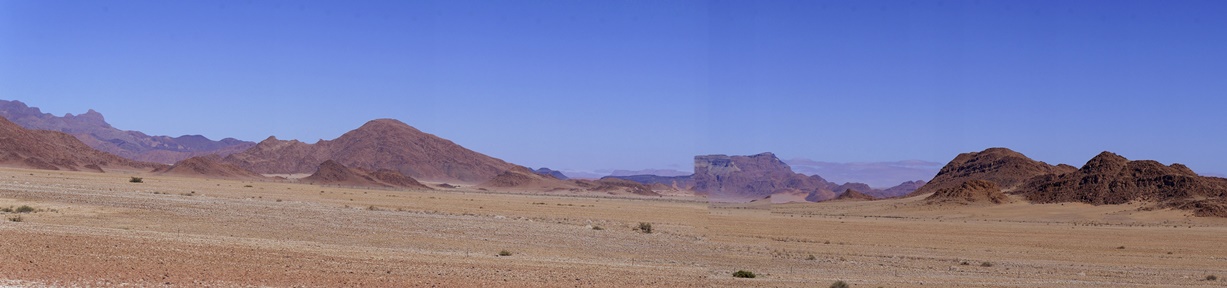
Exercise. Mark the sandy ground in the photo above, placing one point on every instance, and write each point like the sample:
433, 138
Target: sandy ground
92, 229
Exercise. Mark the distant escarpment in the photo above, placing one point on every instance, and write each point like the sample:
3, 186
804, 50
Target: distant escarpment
93, 130
744, 178
378, 144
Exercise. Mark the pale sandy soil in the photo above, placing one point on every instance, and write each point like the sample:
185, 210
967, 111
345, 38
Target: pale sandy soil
99, 230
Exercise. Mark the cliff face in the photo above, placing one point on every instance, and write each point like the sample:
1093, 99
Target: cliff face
745, 178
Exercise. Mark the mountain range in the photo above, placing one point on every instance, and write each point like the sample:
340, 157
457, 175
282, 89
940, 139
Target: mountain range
92, 129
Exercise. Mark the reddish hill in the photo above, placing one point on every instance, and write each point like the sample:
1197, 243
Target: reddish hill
52, 150
1004, 167
333, 173
521, 178
971, 191
208, 166
378, 144
615, 185
1111, 179
93, 130
853, 195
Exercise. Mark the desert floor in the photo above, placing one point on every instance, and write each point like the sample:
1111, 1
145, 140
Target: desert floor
97, 229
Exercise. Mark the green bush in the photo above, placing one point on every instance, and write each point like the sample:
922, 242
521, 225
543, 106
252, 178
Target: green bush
136, 180
645, 227
24, 209
504, 253
744, 274
839, 284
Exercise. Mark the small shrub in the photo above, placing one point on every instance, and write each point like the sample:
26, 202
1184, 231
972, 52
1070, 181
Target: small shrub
24, 209
6, 209
504, 253
986, 264
645, 227
16, 218
964, 263
1211, 278
1121, 247
135, 179
839, 284
811, 257
594, 227
246, 186
744, 274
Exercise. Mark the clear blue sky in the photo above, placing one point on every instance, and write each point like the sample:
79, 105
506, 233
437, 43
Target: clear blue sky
647, 84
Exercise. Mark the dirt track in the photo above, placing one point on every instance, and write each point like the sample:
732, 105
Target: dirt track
99, 230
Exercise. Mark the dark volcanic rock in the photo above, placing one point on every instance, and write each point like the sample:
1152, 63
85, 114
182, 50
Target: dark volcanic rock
1111, 179
1004, 167
971, 191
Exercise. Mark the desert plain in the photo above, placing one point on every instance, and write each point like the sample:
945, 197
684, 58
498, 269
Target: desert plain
99, 229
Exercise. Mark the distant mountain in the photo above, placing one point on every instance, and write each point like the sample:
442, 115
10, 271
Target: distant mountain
551, 173
378, 144
676, 182
522, 179
333, 173
657, 172
876, 174
745, 178
853, 195
92, 129
210, 166
52, 150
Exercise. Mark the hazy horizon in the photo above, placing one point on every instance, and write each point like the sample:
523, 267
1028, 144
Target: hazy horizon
646, 85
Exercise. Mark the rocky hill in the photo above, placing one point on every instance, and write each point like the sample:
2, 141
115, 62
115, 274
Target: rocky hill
378, 144
1112, 179
210, 166
1004, 167
333, 173
51, 150
93, 130
853, 195
520, 178
969, 192
551, 173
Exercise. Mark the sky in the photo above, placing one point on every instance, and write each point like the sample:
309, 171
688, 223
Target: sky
587, 85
